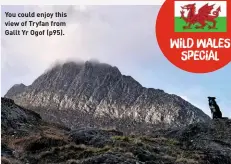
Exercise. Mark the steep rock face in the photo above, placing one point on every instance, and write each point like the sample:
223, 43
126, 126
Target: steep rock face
101, 90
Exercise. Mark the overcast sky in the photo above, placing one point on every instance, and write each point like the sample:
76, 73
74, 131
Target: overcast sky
122, 36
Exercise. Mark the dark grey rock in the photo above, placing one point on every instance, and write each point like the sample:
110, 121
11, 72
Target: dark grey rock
16, 89
112, 158
92, 136
5, 150
14, 117
213, 138
101, 91
204, 142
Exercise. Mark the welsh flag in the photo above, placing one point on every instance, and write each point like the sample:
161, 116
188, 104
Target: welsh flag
200, 16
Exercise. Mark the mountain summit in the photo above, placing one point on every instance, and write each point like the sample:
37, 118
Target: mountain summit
97, 92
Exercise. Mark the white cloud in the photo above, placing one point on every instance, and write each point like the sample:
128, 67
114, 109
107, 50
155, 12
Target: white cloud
106, 33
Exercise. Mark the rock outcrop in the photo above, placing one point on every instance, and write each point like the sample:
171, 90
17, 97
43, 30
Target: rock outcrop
98, 90
34, 141
16, 89
212, 139
15, 118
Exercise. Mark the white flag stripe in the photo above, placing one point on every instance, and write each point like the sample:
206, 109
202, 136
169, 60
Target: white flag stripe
199, 4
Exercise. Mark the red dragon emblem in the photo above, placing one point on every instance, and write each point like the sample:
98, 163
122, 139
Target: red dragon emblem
201, 17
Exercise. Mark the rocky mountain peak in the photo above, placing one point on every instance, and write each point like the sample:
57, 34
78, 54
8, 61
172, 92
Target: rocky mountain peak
16, 89
99, 91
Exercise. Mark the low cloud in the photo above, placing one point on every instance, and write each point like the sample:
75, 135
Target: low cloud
119, 35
